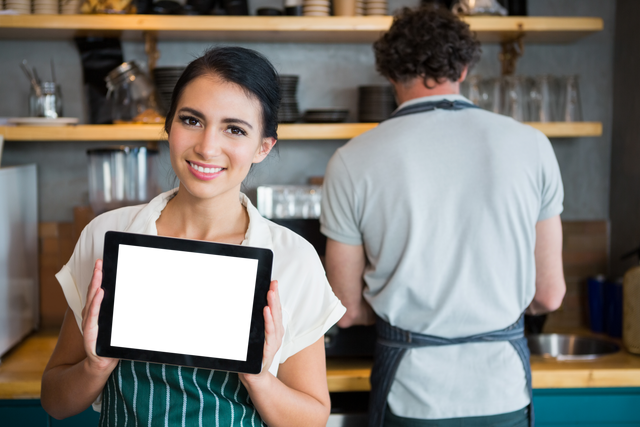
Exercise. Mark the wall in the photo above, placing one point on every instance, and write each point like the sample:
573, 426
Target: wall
329, 74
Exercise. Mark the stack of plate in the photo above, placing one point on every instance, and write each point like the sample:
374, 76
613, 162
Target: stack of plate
165, 79
326, 115
69, 7
316, 8
45, 7
20, 6
288, 112
375, 103
375, 7
359, 7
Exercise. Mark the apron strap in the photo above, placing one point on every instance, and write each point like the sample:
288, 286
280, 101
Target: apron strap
392, 344
422, 107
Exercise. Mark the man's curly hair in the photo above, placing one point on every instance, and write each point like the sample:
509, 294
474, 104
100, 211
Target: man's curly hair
428, 42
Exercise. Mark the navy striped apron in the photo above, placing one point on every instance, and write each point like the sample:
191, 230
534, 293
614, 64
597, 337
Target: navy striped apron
393, 343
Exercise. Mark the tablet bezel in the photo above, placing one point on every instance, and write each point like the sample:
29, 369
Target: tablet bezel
112, 241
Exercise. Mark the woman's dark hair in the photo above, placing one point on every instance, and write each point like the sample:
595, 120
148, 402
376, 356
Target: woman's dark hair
428, 42
244, 67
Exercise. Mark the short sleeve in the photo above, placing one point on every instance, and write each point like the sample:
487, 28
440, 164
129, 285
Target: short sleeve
309, 305
75, 275
339, 219
552, 191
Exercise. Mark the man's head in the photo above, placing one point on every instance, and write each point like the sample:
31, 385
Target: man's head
430, 43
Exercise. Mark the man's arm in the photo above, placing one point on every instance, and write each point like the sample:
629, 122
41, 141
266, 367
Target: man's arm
550, 285
345, 268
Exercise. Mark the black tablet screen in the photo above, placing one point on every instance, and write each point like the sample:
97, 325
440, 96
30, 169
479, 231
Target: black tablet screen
165, 300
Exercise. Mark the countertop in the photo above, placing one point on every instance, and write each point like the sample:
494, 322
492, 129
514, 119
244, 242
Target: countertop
21, 370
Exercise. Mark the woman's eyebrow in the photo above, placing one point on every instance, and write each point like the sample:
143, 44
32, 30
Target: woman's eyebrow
233, 120
196, 113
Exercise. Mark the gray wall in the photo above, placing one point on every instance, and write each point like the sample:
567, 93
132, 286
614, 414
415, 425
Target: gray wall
329, 75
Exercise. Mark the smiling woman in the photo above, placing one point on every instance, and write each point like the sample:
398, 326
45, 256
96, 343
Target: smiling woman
222, 120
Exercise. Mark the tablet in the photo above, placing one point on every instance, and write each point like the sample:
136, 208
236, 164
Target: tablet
183, 302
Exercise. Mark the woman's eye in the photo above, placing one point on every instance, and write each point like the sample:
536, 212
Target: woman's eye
235, 130
190, 121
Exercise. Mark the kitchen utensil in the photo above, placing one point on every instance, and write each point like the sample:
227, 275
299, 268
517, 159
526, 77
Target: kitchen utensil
569, 347
595, 297
516, 7
165, 79
344, 7
268, 11
35, 86
570, 99
289, 201
514, 97
121, 176
543, 99
131, 95
48, 103
43, 121
236, 7
288, 111
479, 7
326, 115
613, 308
375, 103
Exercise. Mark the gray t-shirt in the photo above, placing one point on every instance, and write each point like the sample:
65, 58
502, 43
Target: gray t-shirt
445, 204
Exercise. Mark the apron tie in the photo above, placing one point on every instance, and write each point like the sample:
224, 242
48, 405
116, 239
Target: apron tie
392, 344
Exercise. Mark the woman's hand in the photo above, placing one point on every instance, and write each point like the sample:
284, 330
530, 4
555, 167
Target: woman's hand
90, 313
273, 331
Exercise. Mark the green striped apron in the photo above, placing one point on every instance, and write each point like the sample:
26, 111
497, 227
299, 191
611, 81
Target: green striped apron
143, 394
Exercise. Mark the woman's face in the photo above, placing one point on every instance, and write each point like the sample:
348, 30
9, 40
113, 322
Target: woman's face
215, 136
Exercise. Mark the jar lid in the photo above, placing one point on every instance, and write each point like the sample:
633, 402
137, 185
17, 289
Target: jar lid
121, 148
123, 68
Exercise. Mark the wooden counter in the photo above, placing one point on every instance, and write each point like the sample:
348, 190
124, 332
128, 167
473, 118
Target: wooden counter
21, 370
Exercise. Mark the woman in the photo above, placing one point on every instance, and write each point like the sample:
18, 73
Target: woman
223, 119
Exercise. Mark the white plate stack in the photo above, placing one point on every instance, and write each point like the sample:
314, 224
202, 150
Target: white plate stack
316, 8
20, 6
45, 7
69, 7
375, 7
359, 7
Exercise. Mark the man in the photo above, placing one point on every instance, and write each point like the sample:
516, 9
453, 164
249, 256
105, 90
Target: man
443, 223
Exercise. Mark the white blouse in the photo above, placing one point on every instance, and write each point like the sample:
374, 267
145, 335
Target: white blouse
309, 306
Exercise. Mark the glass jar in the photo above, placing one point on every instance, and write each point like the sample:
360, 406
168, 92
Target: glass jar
47, 103
131, 95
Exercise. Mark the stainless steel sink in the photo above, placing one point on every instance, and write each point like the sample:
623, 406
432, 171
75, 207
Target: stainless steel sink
569, 347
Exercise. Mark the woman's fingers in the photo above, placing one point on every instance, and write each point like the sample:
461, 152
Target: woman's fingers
96, 282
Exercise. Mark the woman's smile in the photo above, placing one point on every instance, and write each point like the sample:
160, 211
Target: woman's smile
204, 172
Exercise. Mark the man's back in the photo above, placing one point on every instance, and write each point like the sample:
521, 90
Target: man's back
445, 204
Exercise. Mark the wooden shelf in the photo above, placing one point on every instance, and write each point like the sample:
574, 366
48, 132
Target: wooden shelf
333, 29
306, 131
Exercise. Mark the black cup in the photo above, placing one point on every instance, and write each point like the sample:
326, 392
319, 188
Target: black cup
236, 7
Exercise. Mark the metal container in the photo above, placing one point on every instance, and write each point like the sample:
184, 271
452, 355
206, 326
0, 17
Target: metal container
121, 176
569, 347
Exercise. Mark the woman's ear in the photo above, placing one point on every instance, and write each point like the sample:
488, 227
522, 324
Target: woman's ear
265, 148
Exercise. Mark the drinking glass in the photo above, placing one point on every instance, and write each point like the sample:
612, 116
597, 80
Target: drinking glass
543, 99
514, 97
474, 90
570, 106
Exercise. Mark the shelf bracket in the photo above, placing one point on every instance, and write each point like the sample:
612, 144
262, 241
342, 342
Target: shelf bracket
151, 49
511, 50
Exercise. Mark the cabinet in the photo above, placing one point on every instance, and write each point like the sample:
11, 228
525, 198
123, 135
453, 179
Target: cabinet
273, 29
